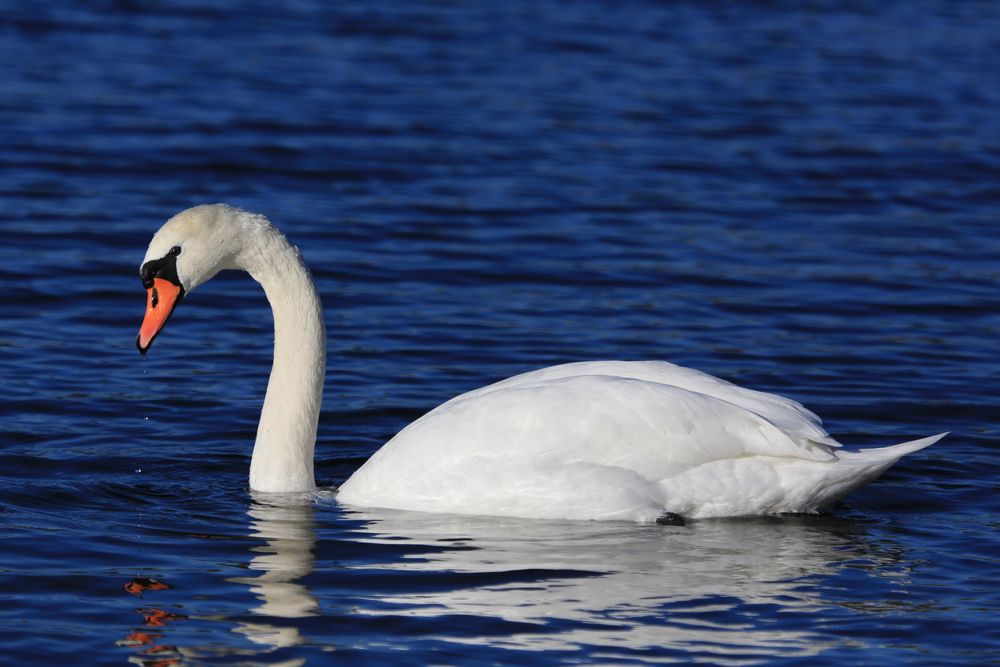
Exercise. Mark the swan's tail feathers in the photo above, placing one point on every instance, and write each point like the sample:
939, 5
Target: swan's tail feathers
855, 469
889, 454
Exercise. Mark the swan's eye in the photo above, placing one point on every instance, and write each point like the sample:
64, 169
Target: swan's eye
176, 250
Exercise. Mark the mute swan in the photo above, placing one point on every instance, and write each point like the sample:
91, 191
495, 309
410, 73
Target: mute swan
634, 440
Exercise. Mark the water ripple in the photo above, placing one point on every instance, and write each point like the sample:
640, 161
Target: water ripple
801, 200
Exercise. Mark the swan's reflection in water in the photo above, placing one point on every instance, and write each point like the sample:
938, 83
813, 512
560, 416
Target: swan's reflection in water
710, 589
286, 525
283, 538
719, 591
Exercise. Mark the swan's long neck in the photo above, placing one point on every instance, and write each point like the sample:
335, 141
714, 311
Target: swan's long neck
286, 436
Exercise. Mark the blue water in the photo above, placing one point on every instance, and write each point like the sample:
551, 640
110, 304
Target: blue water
798, 197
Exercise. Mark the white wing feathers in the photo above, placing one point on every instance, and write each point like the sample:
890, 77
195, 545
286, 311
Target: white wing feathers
800, 426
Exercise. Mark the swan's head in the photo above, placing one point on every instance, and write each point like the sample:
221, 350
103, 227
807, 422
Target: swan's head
188, 250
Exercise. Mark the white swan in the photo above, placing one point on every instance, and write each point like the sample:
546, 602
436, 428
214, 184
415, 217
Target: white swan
635, 440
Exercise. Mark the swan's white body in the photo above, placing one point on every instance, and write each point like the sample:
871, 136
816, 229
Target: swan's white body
615, 440
590, 440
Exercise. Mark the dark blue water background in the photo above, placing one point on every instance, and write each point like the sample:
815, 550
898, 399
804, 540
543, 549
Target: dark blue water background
799, 197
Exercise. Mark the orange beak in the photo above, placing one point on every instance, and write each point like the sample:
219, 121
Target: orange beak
161, 299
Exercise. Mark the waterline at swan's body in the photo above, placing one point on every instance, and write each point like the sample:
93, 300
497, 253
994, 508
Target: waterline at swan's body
593, 440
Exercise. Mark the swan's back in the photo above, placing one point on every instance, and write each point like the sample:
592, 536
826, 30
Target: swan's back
792, 417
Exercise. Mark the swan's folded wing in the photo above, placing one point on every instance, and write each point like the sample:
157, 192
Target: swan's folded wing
654, 429
802, 427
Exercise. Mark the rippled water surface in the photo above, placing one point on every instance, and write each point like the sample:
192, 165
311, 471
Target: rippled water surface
801, 198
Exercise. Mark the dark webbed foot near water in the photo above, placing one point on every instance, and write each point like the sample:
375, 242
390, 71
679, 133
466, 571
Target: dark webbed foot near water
670, 519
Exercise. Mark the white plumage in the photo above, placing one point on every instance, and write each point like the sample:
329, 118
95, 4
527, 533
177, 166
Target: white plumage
590, 440
615, 440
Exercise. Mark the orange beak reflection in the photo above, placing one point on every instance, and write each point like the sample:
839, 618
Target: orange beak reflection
161, 299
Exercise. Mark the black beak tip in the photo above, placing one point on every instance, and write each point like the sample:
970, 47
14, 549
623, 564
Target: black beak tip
142, 350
